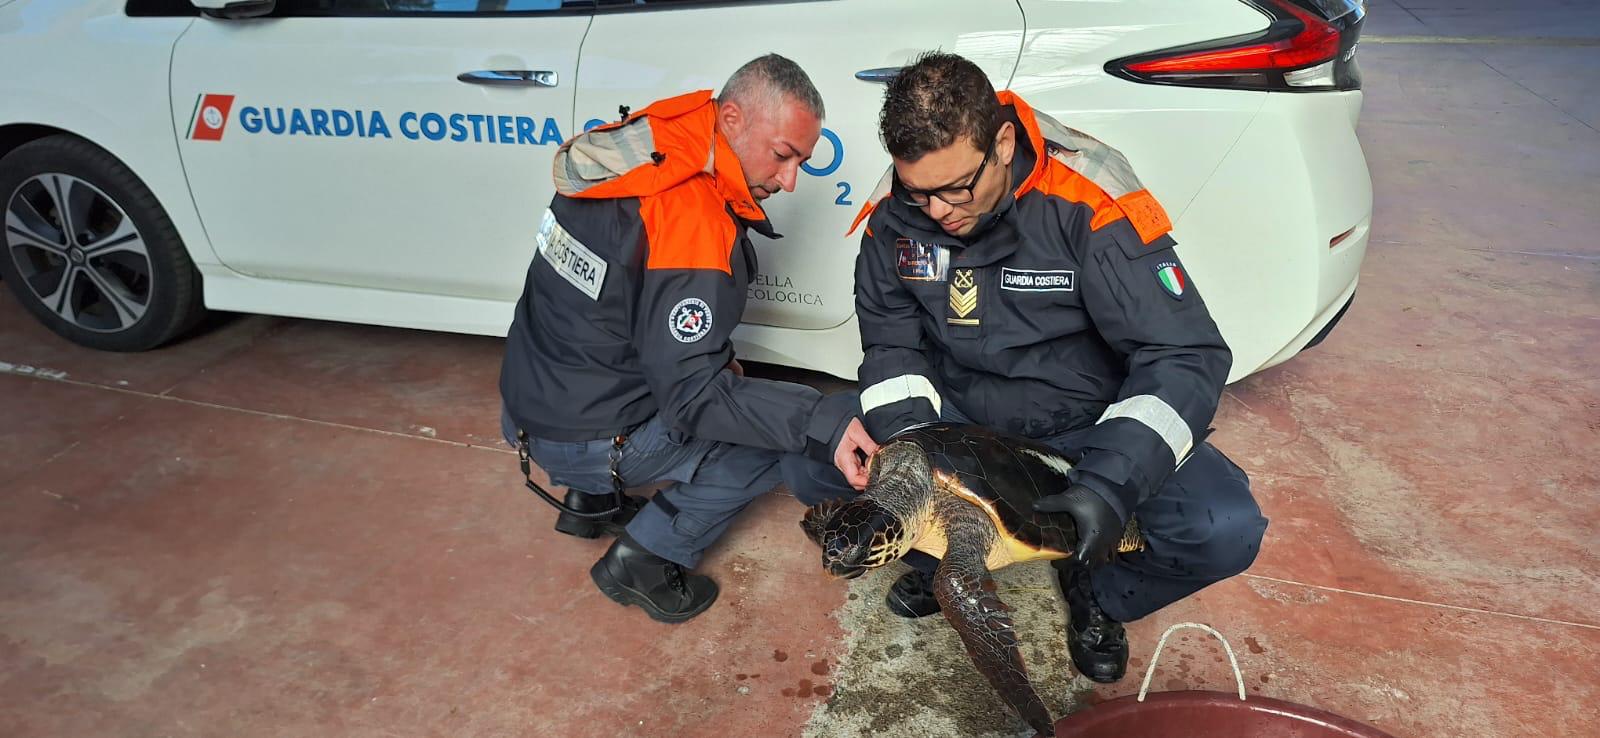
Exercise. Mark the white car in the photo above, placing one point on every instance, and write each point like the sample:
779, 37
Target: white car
388, 161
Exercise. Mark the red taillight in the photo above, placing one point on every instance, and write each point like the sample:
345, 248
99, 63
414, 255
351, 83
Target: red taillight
1307, 46
1317, 42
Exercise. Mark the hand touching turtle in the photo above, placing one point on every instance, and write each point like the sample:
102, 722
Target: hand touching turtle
1099, 527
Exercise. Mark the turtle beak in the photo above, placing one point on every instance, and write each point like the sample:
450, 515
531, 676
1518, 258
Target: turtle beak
841, 571
843, 557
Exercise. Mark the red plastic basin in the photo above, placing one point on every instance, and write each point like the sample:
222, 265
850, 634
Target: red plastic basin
1199, 714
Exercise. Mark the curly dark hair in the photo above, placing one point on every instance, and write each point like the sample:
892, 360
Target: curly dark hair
934, 102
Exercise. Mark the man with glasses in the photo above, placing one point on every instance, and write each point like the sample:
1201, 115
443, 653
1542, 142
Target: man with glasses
1014, 273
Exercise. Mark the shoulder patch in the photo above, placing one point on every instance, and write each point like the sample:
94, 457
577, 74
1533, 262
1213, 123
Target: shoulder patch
688, 227
572, 260
690, 320
1172, 279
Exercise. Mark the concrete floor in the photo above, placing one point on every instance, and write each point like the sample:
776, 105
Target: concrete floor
291, 528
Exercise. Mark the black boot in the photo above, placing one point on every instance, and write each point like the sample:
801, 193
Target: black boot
911, 596
1098, 644
611, 525
630, 575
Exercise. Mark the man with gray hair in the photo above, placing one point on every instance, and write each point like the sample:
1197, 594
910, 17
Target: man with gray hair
618, 369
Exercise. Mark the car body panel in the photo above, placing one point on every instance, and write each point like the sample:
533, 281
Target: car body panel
327, 170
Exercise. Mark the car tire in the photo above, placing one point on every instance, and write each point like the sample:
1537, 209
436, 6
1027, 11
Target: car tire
119, 278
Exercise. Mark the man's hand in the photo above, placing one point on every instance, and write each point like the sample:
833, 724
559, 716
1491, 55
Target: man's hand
855, 439
1099, 528
735, 367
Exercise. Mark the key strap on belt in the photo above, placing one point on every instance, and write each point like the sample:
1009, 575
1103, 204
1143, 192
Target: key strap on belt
617, 485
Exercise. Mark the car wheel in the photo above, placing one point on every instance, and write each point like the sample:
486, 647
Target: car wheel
89, 251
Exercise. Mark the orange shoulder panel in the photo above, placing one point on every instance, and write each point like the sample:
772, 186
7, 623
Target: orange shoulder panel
1140, 208
688, 227
1030, 129
681, 129
1146, 215
866, 212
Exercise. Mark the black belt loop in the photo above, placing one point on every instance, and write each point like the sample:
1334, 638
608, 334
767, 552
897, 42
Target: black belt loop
618, 487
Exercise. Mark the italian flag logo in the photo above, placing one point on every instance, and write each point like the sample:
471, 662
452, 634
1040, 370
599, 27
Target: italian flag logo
1172, 279
210, 117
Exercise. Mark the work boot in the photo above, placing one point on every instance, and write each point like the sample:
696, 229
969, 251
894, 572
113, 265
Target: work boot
911, 596
630, 575
1098, 644
610, 525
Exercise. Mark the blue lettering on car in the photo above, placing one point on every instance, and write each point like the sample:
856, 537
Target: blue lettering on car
833, 165
414, 125
408, 125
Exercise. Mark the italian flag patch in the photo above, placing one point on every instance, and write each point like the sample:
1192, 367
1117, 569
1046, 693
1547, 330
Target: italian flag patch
1172, 278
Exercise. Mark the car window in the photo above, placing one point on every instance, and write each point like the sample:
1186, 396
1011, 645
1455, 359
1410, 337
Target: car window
425, 7
158, 8
649, 4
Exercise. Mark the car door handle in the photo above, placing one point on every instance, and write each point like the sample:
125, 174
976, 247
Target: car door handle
510, 77
881, 75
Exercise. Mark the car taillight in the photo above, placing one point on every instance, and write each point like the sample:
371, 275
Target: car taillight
1309, 45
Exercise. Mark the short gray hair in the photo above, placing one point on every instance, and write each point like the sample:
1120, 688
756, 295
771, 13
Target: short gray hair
767, 79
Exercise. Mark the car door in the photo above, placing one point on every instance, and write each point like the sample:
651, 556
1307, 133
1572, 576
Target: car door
391, 144
644, 50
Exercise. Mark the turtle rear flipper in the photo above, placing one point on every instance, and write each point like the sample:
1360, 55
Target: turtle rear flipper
966, 594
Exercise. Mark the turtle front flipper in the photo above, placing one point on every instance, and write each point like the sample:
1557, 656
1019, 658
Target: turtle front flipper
816, 518
966, 594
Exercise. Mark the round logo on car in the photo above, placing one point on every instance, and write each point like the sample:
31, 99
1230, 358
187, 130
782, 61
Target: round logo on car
690, 320
212, 116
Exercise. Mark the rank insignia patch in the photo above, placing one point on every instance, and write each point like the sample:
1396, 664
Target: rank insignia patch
963, 298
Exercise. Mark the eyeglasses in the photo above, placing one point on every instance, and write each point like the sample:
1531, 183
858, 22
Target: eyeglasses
950, 195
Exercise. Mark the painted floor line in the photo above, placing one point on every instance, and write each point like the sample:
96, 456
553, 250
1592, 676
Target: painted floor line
265, 414
1481, 40
1461, 608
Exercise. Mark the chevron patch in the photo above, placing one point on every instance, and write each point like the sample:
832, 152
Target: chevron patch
963, 298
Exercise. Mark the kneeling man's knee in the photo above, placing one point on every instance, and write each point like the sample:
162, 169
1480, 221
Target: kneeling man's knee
813, 482
1235, 539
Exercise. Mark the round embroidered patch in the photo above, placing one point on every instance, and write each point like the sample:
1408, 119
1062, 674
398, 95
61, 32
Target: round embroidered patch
1172, 279
690, 320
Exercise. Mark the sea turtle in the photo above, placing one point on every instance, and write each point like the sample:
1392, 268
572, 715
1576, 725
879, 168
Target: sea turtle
964, 494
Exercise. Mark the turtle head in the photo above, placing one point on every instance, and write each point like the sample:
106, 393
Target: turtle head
877, 527
860, 535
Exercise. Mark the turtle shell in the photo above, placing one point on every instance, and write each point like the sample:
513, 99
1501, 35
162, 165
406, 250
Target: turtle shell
1002, 473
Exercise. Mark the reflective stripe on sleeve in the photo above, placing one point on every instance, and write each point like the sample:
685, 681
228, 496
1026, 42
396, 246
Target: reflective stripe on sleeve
903, 387
1156, 415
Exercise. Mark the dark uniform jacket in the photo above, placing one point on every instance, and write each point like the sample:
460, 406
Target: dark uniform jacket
1065, 309
638, 280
